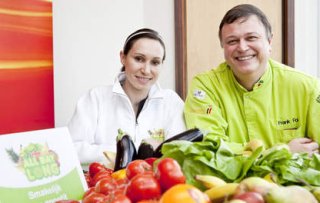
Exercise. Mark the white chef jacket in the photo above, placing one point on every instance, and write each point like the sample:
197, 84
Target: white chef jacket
103, 110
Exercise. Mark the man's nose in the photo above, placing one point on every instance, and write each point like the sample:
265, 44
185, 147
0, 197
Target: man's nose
243, 45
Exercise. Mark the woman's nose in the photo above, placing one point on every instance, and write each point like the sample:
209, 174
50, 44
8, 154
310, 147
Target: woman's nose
146, 68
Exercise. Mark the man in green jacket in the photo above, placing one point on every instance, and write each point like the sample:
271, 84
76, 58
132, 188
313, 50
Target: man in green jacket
251, 96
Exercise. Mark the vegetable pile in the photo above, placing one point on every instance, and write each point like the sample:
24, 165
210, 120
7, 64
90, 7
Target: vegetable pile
193, 168
138, 182
231, 162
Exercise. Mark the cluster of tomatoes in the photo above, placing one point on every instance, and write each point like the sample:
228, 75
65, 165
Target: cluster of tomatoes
141, 181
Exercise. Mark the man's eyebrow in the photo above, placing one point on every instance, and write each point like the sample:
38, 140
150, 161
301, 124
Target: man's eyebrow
246, 34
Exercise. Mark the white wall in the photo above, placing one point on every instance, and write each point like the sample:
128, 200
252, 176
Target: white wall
307, 36
88, 36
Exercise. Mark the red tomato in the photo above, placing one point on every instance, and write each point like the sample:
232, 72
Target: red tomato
106, 186
137, 167
88, 192
149, 201
99, 176
88, 178
143, 187
121, 198
95, 197
151, 160
121, 186
169, 173
96, 167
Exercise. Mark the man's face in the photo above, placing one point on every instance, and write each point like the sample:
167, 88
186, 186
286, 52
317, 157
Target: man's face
246, 46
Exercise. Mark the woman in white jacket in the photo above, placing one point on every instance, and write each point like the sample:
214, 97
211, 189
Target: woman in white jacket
135, 103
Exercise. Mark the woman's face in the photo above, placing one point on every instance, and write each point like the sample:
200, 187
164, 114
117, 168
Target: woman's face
142, 64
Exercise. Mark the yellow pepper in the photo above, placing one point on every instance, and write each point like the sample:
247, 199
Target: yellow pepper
120, 174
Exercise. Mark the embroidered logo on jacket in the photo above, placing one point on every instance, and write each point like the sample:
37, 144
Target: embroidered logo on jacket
209, 109
199, 94
157, 134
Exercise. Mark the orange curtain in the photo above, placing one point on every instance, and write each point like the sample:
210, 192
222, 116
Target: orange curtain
26, 65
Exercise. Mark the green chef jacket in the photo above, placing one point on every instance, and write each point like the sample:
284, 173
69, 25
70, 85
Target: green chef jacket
284, 104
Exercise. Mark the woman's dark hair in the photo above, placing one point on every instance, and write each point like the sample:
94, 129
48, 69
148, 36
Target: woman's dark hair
245, 11
142, 33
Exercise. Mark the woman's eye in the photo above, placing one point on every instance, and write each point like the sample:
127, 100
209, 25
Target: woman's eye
139, 58
156, 62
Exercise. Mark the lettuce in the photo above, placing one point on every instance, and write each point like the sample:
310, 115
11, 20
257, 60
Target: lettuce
215, 156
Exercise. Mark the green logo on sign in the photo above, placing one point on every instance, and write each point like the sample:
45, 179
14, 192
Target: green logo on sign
36, 161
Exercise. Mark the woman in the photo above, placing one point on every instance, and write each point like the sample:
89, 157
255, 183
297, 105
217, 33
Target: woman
135, 103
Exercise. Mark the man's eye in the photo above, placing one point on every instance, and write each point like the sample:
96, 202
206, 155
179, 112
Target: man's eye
252, 38
232, 42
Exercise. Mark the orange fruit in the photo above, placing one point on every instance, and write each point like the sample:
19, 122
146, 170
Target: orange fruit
185, 193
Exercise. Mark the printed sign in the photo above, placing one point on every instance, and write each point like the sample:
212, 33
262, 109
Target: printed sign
40, 167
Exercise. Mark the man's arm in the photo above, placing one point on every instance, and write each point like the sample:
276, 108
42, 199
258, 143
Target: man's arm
202, 110
310, 143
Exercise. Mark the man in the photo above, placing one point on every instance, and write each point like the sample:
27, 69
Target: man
251, 96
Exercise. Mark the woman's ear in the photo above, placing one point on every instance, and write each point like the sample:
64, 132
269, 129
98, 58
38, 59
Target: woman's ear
122, 58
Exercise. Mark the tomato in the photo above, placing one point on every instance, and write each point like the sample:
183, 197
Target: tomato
151, 160
121, 198
87, 178
95, 197
121, 186
106, 186
143, 187
137, 167
184, 193
169, 173
96, 167
100, 175
149, 201
88, 192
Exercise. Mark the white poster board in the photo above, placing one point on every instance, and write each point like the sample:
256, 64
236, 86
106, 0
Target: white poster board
40, 166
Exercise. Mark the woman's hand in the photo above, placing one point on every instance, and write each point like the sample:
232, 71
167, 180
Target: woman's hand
303, 145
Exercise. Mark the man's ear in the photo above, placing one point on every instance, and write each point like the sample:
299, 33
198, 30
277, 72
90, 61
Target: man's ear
270, 38
270, 42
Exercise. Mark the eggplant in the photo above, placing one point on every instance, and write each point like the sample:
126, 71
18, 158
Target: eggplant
192, 135
145, 150
126, 152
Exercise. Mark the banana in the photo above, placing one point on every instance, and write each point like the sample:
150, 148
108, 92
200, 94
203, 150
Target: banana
221, 193
316, 192
271, 177
210, 181
254, 144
